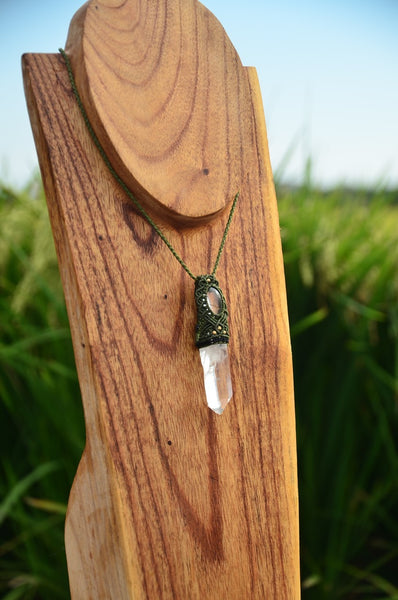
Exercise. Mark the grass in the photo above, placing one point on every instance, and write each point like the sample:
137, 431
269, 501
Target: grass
40, 408
341, 257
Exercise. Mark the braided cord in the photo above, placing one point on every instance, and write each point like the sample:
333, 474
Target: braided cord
224, 237
124, 187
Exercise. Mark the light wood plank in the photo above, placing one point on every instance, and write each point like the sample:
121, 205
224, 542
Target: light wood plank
171, 500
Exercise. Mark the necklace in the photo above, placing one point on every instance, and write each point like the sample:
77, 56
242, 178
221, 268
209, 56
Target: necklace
212, 331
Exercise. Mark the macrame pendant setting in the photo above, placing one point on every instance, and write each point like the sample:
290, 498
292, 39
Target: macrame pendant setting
212, 337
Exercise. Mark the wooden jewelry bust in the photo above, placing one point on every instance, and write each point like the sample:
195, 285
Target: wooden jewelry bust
170, 500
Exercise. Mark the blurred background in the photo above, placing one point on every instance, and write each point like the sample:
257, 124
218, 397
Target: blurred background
328, 72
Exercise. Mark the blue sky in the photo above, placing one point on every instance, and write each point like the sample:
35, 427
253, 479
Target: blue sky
328, 72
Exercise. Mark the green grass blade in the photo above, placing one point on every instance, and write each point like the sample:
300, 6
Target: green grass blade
22, 486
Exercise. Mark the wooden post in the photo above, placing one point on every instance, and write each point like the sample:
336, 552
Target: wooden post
170, 500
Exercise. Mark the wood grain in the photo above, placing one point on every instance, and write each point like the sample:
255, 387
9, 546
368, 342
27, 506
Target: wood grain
170, 500
160, 82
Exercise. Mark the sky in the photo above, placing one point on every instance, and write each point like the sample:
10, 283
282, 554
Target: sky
328, 72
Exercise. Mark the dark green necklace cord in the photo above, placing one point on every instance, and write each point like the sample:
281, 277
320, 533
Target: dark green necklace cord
128, 192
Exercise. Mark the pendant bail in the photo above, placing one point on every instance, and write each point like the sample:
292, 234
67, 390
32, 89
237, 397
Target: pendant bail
212, 324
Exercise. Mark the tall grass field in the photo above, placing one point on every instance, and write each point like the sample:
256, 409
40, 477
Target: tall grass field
341, 261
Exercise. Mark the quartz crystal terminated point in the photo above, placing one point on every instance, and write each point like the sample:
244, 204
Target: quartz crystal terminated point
217, 376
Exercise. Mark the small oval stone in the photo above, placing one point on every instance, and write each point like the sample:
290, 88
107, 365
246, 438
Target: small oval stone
214, 300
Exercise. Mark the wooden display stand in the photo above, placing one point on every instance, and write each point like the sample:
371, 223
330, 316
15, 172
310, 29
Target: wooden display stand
170, 501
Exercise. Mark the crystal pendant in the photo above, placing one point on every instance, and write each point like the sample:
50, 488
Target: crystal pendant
218, 386
212, 336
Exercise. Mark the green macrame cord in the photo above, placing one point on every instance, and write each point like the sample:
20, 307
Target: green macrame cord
212, 327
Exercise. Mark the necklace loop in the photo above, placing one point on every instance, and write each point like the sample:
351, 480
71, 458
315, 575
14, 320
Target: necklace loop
127, 190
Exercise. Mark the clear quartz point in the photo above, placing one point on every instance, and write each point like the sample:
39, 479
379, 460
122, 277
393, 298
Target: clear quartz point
217, 376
